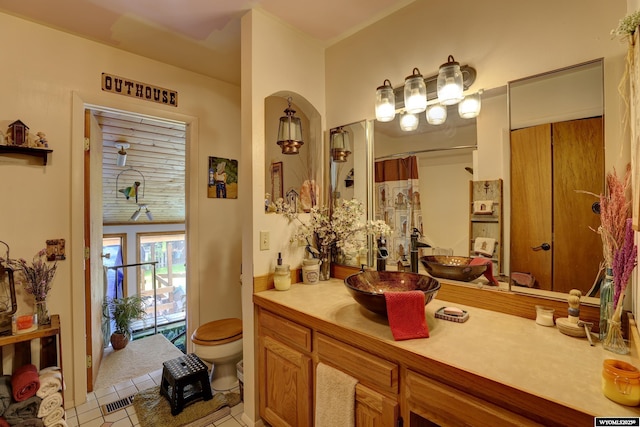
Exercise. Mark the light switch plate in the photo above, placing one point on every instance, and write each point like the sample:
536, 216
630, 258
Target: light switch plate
264, 240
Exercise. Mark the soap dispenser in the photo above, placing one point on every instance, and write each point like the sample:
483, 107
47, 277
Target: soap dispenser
282, 278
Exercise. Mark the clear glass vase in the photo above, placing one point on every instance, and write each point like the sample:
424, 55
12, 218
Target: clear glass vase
606, 303
325, 266
43, 313
614, 341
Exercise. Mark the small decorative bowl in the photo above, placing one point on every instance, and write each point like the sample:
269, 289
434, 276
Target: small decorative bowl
452, 267
368, 287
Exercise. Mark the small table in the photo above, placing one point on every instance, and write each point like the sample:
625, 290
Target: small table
185, 380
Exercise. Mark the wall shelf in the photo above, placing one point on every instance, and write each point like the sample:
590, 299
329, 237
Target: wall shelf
487, 225
36, 152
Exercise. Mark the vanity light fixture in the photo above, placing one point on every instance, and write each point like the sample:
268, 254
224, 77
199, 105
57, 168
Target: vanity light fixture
290, 131
408, 122
436, 114
135, 215
340, 144
138, 212
122, 154
470, 106
449, 84
385, 102
415, 93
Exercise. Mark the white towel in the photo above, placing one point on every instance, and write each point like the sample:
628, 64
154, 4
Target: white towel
49, 384
484, 246
49, 404
59, 423
483, 207
55, 416
335, 397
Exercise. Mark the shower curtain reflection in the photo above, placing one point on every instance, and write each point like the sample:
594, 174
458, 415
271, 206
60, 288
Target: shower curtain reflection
398, 203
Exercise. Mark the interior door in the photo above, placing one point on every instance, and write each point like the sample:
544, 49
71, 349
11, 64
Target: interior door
578, 166
531, 203
551, 204
94, 273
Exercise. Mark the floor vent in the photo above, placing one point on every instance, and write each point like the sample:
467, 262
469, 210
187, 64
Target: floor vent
117, 405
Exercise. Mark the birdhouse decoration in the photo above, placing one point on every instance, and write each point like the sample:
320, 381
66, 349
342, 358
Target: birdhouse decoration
18, 133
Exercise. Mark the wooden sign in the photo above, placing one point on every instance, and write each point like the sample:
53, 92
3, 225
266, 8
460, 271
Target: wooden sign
135, 89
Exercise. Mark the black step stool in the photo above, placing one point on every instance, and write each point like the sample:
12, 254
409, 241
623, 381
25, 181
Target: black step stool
185, 380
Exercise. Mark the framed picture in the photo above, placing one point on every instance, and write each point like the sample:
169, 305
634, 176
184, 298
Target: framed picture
223, 178
277, 191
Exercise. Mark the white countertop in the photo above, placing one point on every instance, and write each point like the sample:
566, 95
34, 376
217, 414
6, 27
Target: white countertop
508, 349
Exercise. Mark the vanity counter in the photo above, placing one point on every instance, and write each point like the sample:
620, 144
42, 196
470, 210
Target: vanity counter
504, 354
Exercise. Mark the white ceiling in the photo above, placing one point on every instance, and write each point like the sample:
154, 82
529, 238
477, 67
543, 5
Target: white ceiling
197, 35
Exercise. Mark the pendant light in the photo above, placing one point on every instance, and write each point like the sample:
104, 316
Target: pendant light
385, 102
470, 106
415, 93
449, 86
436, 114
290, 131
409, 122
122, 154
340, 145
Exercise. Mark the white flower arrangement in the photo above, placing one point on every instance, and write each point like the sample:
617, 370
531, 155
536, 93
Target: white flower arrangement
340, 229
627, 25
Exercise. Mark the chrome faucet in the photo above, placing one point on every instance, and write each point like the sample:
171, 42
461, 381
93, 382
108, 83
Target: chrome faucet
415, 244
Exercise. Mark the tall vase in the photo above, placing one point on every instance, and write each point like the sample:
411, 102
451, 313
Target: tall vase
43, 312
325, 266
606, 302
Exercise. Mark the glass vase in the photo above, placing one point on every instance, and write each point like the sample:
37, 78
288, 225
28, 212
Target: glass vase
43, 313
606, 302
614, 341
325, 266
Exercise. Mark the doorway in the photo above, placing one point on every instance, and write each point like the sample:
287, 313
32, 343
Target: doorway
135, 184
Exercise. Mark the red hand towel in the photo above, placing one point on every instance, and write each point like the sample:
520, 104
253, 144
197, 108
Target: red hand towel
4, 423
25, 382
488, 272
405, 311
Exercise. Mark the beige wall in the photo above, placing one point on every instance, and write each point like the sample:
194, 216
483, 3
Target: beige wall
46, 78
276, 60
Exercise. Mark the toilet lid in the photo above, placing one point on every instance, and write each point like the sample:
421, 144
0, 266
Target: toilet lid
218, 332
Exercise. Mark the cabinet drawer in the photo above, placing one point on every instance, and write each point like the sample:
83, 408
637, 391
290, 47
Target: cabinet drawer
285, 330
365, 367
442, 404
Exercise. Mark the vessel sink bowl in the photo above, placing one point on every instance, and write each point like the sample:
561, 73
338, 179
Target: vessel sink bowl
368, 287
452, 267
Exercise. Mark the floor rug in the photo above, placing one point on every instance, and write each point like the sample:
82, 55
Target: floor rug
139, 357
153, 409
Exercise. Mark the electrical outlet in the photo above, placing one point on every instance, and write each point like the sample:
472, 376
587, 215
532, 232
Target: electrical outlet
264, 240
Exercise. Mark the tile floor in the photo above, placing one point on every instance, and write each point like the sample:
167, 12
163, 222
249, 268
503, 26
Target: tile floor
89, 415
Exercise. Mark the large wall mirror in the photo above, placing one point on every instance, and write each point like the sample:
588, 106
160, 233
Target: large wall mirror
437, 201
557, 159
349, 171
421, 181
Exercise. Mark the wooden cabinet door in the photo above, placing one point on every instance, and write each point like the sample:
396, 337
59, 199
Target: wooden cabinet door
374, 409
285, 381
531, 203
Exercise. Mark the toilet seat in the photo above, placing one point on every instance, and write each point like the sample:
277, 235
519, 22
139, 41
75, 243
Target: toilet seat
218, 332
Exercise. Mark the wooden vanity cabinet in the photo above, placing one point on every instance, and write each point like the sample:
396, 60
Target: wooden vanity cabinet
286, 372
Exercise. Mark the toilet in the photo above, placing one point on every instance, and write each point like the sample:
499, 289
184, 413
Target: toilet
219, 344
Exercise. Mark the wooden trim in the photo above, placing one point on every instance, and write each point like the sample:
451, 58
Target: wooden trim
264, 283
